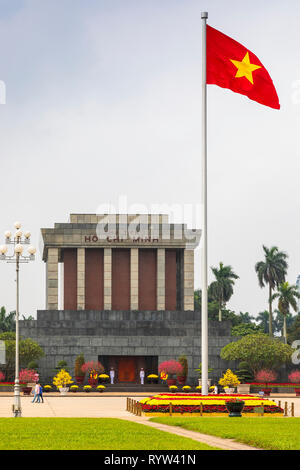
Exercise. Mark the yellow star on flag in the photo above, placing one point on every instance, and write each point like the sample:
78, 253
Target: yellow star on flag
245, 68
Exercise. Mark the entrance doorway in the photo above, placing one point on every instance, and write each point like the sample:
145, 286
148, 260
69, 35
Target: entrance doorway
127, 368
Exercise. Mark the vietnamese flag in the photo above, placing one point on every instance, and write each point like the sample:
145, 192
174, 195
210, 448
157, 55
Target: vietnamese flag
231, 65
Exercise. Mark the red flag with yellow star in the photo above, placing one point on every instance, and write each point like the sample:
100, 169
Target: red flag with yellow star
231, 65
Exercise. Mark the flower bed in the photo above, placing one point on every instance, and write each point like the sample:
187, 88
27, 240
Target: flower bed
273, 384
195, 403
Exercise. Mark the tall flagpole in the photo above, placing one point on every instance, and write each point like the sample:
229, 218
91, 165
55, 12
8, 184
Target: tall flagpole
204, 313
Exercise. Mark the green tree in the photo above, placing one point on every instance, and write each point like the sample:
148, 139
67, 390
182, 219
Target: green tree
244, 329
271, 272
259, 351
263, 321
199, 370
244, 373
29, 351
245, 317
294, 330
278, 321
78, 364
221, 289
7, 322
184, 362
287, 296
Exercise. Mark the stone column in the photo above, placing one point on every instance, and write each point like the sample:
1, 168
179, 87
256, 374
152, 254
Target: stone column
52, 279
107, 278
80, 278
134, 278
161, 274
188, 279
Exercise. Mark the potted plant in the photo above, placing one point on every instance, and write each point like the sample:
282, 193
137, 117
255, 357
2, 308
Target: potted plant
30, 377
294, 377
74, 388
101, 388
266, 376
182, 378
173, 388
103, 377
87, 388
47, 388
199, 370
93, 369
186, 388
230, 381
172, 368
235, 407
245, 376
79, 374
62, 380
152, 378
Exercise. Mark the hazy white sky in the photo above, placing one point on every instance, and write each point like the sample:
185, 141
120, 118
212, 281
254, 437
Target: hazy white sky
104, 99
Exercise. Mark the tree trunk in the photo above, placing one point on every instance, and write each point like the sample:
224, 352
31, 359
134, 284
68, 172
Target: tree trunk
220, 313
284, 329
270, 313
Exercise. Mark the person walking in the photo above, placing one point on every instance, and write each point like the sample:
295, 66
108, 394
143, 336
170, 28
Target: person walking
41, 393
36, 398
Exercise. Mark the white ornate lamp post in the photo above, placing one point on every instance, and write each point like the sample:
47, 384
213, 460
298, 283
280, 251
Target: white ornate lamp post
17, 257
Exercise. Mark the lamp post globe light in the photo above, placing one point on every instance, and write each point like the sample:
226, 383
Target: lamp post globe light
17, 257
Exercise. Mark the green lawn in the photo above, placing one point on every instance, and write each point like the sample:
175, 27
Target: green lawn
264, 433
88, 434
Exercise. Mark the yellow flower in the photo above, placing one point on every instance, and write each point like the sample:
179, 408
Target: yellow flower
62, 379
229, 379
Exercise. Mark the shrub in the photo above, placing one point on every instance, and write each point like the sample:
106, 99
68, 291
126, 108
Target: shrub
265, 376
62, 379
2, 376
229, 379
78, 365
28, 375
92, 366
32, 365
294, 377
183, 361
259, 351
171, 367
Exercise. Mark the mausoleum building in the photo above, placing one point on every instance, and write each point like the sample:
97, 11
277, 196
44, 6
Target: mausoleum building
120, 289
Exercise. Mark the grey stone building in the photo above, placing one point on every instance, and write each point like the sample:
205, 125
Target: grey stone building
120, 289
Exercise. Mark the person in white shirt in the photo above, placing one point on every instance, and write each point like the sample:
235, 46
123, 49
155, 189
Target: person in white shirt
142, 375
112, 375
36, 393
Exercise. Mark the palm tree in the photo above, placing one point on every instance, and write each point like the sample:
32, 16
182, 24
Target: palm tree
222, 288
271, 271
278, 321
263, 320
287, 296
